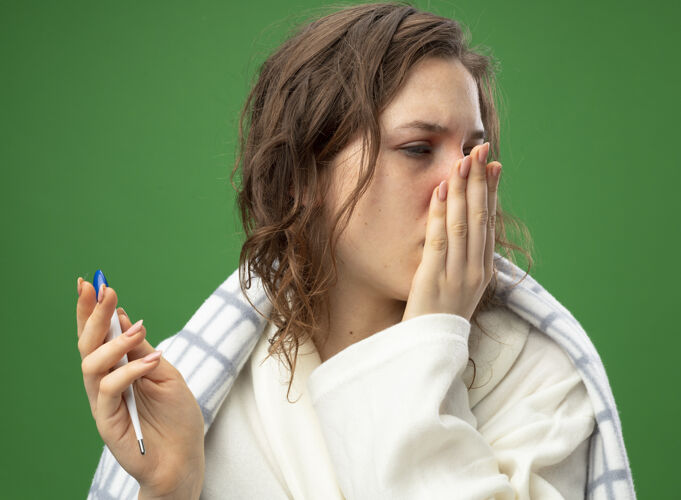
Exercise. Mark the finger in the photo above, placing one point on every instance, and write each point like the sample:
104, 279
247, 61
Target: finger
139, 350
84, 305
476, 195
112, 385
97, 325
435, 245
492, 188
457, 220
99, 363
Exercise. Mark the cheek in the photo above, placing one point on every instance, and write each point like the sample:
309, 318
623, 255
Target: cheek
391, 218
400, 223
413, 211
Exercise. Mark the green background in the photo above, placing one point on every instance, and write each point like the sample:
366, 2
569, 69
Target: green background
118, 134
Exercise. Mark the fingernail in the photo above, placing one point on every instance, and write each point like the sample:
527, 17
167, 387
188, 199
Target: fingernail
153, 356
80, 285
100, 295
482, 153
465, 166
497, 171
134, 328
442, 191
123, 310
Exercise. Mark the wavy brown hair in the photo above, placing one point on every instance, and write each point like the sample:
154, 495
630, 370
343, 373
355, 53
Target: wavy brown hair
328, 82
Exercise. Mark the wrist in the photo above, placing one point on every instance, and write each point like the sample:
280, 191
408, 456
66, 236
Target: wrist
192, 493
189, 490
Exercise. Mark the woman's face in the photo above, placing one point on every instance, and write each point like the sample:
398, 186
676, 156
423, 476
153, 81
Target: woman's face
383, 243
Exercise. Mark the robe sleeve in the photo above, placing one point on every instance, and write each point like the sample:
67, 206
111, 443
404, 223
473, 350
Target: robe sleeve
396, 418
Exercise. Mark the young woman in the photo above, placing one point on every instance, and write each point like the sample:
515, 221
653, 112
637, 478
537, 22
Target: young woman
372, 218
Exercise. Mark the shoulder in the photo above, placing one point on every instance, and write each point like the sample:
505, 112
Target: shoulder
542, 363
542, 380
513, 356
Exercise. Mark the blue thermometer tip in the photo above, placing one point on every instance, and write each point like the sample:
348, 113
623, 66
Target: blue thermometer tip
98, 280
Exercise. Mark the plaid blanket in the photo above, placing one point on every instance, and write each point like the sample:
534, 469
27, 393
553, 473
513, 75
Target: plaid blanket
218, 339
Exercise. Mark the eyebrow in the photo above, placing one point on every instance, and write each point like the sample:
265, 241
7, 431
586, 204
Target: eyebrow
440, 129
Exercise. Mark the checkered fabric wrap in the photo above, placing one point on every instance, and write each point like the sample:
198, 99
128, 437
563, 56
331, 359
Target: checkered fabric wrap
218, 339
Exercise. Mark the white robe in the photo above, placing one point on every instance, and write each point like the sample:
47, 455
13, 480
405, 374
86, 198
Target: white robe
368, 423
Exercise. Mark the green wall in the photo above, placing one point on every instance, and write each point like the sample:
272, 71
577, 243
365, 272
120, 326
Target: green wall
118, 125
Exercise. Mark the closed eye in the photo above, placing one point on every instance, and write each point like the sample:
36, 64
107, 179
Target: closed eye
417, 151
422, 150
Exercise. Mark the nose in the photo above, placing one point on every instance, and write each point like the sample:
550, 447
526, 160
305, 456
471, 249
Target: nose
448, 163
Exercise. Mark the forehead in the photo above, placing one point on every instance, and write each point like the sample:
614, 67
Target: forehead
436, 90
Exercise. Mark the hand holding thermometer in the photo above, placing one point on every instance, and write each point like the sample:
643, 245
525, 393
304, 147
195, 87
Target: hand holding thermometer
115, 331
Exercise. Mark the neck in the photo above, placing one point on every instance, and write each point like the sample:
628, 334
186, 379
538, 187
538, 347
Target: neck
356, 313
